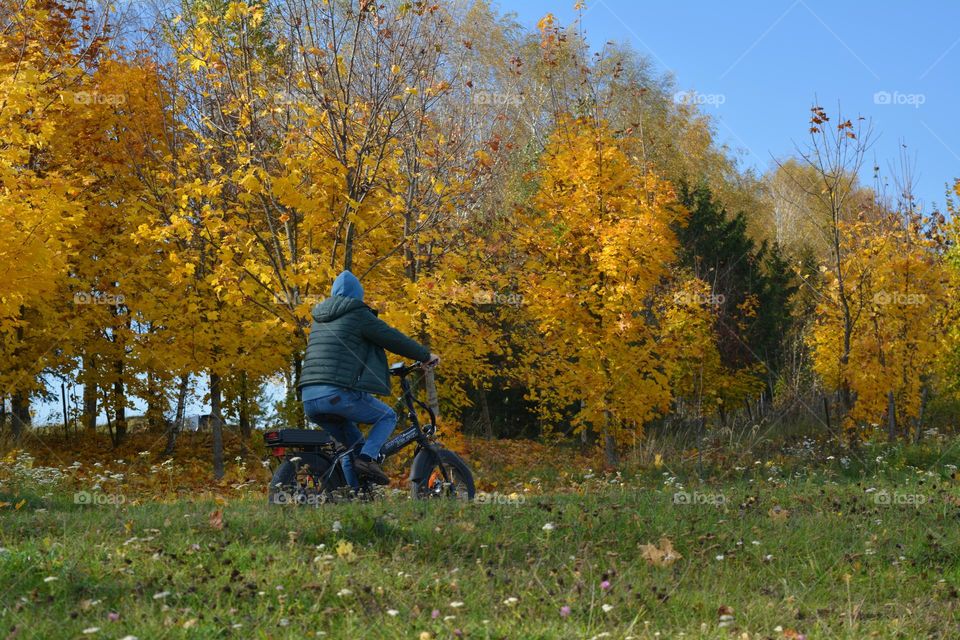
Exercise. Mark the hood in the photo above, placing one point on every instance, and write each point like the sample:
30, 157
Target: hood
334, 307
347, 285
345, 296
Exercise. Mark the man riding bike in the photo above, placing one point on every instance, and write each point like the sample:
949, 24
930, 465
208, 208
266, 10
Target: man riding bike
344, 364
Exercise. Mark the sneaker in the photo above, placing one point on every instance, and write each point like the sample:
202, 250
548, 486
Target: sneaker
369, 467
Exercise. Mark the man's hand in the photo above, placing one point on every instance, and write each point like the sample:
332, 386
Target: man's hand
433, 361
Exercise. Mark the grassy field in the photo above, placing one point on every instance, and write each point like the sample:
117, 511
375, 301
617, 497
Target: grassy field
848, 551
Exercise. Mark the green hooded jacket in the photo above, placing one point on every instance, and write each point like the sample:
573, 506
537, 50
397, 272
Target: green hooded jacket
347, 342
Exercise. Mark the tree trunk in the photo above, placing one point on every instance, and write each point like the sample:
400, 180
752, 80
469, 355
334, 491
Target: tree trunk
113, 437
89, 394
826, 412
348, 247
610, 451
66, 414
244, 411
173, 429
923, 405
485, 416
19, 414
120, 404
430, 382
156, 402
216, 424
891, 418
3, 412
610, 443
297, 373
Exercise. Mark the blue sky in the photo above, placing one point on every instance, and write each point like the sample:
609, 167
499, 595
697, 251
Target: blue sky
759, 65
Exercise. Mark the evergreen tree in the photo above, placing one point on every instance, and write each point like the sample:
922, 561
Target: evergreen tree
752, 285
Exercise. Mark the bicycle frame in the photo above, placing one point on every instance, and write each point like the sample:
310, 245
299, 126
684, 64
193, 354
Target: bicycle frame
414, 433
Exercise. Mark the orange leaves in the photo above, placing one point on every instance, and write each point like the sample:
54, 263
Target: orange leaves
660, 555
546, 23
778, 514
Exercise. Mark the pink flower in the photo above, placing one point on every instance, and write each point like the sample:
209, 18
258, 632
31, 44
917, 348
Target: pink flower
564, 611
605, 585
435, 614
113, 616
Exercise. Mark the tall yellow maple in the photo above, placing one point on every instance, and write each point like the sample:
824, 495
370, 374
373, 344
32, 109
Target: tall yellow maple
599, 243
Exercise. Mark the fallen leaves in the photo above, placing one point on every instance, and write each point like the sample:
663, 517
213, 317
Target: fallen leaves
216, 520
778, 513
345, 551
663, 555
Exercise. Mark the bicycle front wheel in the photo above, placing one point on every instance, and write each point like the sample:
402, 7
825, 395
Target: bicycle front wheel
429, 481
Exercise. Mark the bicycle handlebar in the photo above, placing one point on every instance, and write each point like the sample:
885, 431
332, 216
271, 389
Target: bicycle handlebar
401, 369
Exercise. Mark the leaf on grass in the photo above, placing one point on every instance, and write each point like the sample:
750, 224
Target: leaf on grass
779, 514
663, 555
216, 519
345, 551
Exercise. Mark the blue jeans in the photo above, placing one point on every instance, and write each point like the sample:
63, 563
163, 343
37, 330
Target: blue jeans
353, 407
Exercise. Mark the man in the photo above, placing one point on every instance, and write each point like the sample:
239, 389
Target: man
345, 363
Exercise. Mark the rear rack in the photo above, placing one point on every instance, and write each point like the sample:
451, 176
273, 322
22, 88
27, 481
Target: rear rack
297, 438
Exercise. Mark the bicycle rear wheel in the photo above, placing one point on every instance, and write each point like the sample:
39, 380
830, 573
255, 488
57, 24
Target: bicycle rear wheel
301, 480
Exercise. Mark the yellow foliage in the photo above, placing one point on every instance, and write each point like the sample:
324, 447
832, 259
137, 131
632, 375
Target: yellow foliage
599, 246
898, 289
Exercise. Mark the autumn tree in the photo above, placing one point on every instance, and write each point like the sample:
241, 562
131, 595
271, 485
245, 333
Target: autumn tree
598, 241
750, 286
49, 51
903, 301
835, 155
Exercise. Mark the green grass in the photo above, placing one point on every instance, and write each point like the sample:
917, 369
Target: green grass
843, 563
